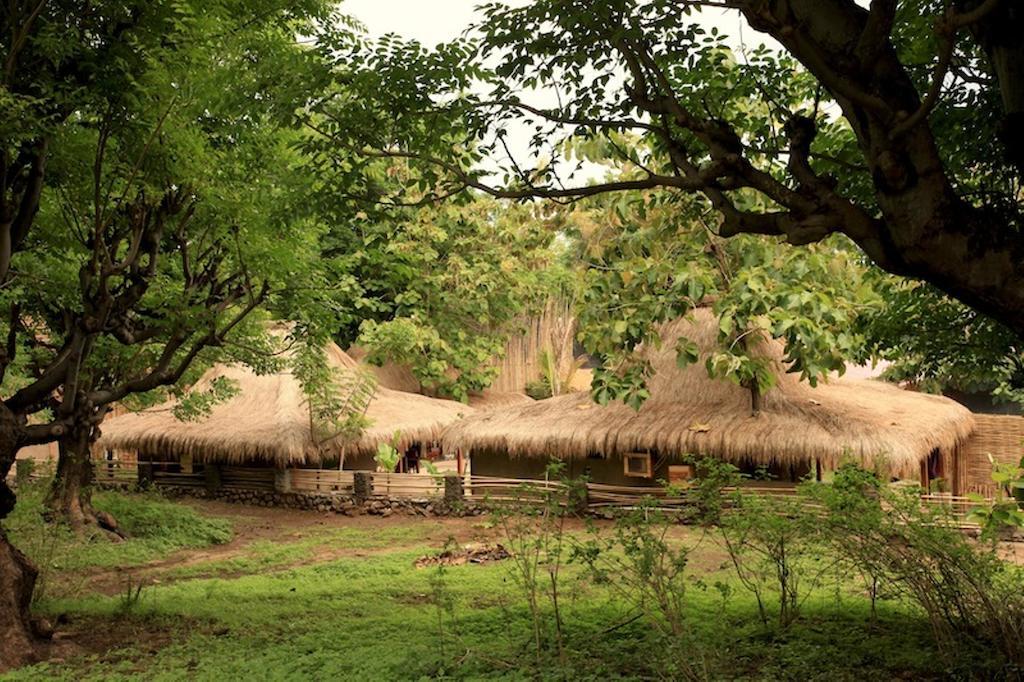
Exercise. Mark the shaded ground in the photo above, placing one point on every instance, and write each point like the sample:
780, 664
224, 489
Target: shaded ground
114, 640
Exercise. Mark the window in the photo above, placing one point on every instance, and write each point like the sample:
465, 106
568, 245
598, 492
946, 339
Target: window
638, 465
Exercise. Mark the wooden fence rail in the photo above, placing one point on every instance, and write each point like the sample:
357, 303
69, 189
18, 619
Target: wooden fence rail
179, 479
115, 471
407, 485
322, 480
476, 488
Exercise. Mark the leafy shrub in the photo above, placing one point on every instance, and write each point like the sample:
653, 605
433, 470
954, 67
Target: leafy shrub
972, 598
1002, 513
387, 455
708, 493
539, 389
649, 574
773, 545
534, 529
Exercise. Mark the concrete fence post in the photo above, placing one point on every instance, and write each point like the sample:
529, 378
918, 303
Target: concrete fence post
283, 480
453, 492
145, 475
362, 486
211, 477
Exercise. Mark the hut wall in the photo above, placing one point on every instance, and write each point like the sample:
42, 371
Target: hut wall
1001, 436
552, 330
777, 471
362, 461
357, 461
599, 470
609, 470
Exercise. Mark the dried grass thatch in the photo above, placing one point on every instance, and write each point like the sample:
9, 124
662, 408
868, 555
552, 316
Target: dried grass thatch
689, 413
552, 332
389, 375
268, 421
400, 378
495, 400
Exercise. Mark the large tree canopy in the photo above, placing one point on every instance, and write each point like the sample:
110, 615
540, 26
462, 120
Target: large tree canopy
436, 286
650, 256
148, 210
167, 216
897, 125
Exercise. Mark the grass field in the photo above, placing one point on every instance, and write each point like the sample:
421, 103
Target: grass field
263, 594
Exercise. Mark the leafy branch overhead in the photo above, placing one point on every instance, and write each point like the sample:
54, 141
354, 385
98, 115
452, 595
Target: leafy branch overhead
445, 287
896, 125
336, 398
651, 257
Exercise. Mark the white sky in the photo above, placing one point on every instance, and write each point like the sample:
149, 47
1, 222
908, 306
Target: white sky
436, 21
429, 21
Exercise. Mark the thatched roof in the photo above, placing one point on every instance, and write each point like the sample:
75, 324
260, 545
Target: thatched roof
400, 378
496, 400
689, 413
268, 421
389, 375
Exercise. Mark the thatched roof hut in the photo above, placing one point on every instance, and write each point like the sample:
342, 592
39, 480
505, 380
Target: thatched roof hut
689, 413
268, 421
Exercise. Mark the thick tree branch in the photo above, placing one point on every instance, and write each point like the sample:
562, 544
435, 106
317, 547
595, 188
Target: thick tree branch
49, 381
947, 29
875, 35
36, 434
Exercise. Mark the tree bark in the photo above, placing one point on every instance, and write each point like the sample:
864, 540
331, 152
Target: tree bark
70, 496
17, 580
17, 574
926, 230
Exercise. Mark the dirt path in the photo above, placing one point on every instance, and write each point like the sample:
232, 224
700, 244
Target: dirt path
317, 534
286, 526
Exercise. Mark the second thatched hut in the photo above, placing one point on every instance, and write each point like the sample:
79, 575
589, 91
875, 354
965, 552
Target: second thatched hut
798, 430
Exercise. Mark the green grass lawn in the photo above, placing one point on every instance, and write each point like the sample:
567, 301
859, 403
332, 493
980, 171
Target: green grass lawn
348, 603
156, 527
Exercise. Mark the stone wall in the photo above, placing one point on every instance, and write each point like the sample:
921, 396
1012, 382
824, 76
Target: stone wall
349, 505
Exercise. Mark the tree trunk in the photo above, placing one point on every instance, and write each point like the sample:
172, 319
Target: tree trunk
17, 580
70, 497
927, 231
17, 574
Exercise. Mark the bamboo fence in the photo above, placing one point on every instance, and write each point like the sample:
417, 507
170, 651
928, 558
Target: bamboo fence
1002, 437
